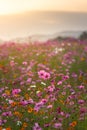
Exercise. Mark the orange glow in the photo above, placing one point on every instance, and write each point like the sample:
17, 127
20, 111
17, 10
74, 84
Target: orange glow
17, 6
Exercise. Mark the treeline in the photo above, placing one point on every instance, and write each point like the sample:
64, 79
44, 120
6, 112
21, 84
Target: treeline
83, 37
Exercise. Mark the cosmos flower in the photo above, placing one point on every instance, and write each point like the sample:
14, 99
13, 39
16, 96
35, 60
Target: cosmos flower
12, 63
57, 125
44, 75
16, 91
81, 101
81, 87
37, 127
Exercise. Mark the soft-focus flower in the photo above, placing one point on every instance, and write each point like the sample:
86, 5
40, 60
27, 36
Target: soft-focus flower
73, 124
44, 75
25, 124
8, 128
51, 88
16, 91
57, 125
37, 127
19, 123
9, 113
24, 63
59, 83
30, 109
12, 63
24, 102
80, 101
49, 106
81, 87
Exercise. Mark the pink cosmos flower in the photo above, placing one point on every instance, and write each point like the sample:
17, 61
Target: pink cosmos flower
44, 75
24, 102
83, 110
62, 113
29, 80
71, 103
30, 101
49, 106
10, 101
12, 63
41, 74
16, 91
57, 125
40, 104
80, 101
24, 63
37, 127
81, 87
59, 83
74, 75
65, 77
2, 122
51, 88
9, 113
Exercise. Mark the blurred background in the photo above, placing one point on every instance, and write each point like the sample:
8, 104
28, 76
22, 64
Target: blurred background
42, 18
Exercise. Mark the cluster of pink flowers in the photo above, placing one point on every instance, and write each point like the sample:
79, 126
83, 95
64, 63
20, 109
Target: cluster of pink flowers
16, 91
44, 75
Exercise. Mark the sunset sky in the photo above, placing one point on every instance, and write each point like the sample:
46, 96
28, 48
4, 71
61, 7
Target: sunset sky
19, 6
22, 18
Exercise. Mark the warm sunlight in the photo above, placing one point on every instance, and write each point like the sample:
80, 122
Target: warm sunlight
10, 7
4, 8
19, 6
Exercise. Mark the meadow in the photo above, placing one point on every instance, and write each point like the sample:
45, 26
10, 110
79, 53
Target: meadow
43, 86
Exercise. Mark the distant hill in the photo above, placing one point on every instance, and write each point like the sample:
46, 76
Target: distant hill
74, 34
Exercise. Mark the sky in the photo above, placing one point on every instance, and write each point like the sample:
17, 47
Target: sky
21, 18
19, 6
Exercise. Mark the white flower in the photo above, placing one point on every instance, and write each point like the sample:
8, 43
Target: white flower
19, 123
33, 86
43, 83
37, 92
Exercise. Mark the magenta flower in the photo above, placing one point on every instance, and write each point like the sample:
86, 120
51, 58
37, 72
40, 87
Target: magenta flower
2, 122
57, 125
74, 75
59, 83
24, 63
83, 110
16, 91
41, 74
65, 77
29, 80
24, 102
44, 75
9, 113
81, 87
37, 127
12, 63
40, 104
80, 101
51, 88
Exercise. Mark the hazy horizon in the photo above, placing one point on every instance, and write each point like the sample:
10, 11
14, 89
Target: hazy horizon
22, 18
40, 22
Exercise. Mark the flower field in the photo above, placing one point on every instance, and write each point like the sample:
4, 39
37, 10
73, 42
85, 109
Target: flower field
43, 86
